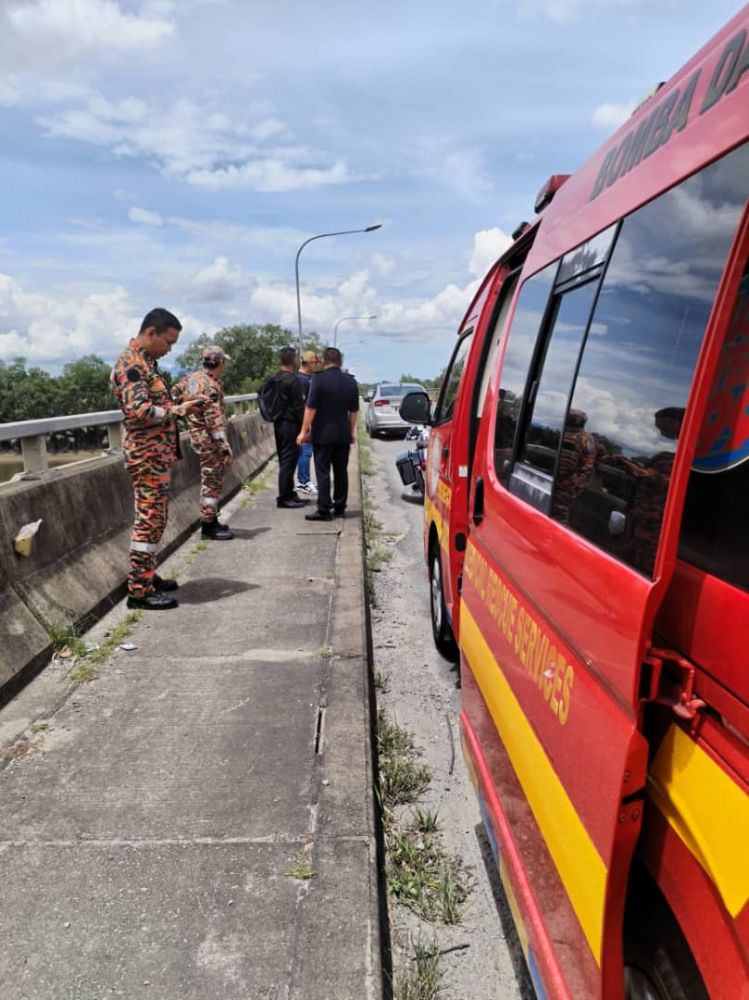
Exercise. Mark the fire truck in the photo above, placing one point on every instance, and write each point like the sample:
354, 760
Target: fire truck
587, 483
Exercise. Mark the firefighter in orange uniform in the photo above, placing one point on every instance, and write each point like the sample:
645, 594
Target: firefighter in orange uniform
151, 446
208, 436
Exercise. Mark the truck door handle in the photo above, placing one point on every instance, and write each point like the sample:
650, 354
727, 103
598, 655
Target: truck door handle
478, 501
445, 451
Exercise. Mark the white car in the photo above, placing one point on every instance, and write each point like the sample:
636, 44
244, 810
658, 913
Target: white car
383, 411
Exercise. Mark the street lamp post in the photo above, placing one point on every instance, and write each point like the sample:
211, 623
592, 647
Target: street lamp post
342, 232
343, 319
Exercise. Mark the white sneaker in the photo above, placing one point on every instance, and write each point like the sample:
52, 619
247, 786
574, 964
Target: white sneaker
310, 489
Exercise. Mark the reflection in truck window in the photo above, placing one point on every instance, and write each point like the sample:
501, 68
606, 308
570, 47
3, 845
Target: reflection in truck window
451, 382
526, 324
714, 533
640, 353
545, 425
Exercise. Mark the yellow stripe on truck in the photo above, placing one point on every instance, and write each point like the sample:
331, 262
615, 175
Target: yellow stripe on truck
707, 810
581, 868
432, 514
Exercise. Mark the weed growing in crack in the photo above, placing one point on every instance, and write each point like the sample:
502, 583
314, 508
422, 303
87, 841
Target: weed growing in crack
65, 635
402, 778
300, 869
422, 979
422, 877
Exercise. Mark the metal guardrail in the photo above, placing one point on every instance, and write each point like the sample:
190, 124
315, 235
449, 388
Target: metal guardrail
33, 433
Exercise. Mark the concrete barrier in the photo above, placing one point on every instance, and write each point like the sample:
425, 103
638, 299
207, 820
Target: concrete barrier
78, 563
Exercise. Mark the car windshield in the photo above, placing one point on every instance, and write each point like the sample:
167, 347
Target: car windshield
399, 390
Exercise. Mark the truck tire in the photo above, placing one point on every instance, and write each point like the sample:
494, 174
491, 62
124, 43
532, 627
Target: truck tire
658, 964
442, 633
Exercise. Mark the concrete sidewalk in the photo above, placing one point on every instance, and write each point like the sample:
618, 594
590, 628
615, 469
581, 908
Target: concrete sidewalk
157, 822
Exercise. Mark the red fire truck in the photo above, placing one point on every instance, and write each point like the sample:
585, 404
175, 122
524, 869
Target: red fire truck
587, 477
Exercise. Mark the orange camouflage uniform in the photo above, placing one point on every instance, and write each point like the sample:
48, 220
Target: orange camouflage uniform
208, 436
151, 446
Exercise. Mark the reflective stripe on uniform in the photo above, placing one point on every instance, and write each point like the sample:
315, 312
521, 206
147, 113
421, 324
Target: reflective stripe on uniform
219, 436
143, 547
210, 501
159, 412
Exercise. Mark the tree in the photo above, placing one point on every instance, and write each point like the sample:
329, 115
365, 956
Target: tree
84, 387
253, 351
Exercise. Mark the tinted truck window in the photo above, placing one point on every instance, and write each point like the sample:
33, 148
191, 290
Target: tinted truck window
714, 532
639, 358
526, 324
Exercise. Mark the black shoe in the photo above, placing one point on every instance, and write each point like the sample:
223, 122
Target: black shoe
318, 515
216, 531
290, 504
153, 602
339, 513
159, 583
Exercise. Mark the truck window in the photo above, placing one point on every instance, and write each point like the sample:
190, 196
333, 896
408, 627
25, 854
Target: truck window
639, 358
451, 380
549, 408
526, 324
713, 533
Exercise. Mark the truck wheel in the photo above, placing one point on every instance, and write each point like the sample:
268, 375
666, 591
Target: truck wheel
658, 964
443, 636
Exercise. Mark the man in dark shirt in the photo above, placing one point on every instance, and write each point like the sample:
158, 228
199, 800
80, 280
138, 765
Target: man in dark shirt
330, 418
286, 429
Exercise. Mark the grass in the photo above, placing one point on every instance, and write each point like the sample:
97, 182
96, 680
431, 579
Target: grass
301, 869
326, 652
39, 727
422, 877
66, 635
251, 487
422, 979
402, 778
381, 681
366, 460
115, 638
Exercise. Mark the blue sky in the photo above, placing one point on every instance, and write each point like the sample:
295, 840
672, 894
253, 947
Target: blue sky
178, 153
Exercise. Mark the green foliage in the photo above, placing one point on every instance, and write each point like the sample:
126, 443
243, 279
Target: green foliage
33, 394
253, 351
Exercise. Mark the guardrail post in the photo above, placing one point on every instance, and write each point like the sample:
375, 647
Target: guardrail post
34, 451
114, 436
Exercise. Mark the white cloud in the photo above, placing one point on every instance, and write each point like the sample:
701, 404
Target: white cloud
144, 217
74, 27
269, 175
611, 116
45, 329
48, 47
198, 144
219, 281
567, 10
488, 245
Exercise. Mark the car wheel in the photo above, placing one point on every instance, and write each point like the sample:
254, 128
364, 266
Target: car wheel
442, 633
658, 964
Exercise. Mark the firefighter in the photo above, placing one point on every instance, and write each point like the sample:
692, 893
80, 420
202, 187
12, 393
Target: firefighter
151, 446
576, 461
208, 435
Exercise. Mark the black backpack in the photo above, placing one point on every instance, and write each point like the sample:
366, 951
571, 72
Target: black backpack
271, 400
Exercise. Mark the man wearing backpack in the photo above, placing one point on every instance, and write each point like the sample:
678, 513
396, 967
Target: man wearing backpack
288, 411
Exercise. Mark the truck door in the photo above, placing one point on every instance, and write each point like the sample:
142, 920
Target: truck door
567, 563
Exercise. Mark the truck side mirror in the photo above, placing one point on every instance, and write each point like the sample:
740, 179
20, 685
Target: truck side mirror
415, 408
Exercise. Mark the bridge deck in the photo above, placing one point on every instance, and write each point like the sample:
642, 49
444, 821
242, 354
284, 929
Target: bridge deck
152, 835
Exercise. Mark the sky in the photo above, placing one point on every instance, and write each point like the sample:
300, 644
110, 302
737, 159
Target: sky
177, 154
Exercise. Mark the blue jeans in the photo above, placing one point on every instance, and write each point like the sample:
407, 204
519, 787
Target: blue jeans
302, 469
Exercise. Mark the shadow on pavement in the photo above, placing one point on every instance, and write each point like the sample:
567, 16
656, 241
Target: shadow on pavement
211, 588
248, 532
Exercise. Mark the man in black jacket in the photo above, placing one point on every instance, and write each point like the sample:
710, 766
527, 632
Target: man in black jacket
330, 417
286, 428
